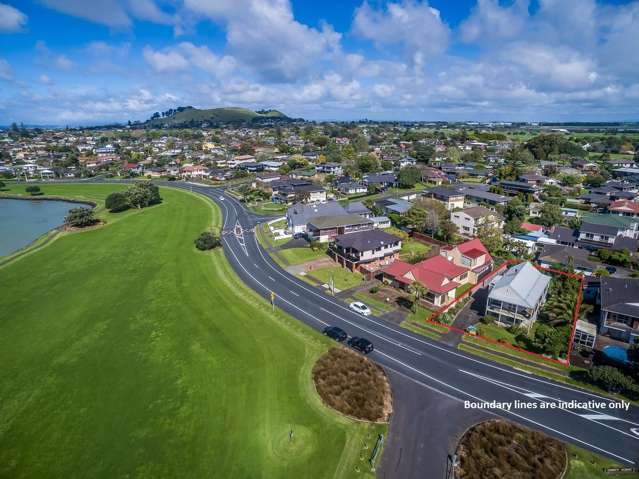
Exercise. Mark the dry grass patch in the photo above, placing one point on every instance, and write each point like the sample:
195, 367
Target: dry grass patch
497, 449
353, 385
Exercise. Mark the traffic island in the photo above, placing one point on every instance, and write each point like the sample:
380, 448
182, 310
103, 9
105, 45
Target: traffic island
352, 385
497, 448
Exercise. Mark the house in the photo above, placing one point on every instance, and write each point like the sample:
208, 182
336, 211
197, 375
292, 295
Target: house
334, 169
622, 162
407, 161
251, 166
380, 180
624, 208
327, 228
433, 175
554, 255
352, 188
619, 298
298, 215
516, 187
472, 255
597, 236
516, 297
287, 191
271, 165
480, 194
534, 180
470, 219
365, 251
439, 275
393, 205
240, 159
451, 197
358, 208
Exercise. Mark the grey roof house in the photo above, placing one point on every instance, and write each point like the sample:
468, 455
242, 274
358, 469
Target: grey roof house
515, 297
619, 308
298, 215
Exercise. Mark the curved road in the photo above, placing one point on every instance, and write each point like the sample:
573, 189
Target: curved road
613, 433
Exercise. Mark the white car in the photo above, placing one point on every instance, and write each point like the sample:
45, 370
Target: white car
360, 308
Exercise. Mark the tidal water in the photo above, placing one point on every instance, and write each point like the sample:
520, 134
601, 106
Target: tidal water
23, 221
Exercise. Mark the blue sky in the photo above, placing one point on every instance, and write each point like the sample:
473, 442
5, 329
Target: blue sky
78, 62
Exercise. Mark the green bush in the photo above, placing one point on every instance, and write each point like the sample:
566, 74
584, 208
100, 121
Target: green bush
33, 190
117, 202
374, 290
2, 185
80, 218
207, 241
143, 194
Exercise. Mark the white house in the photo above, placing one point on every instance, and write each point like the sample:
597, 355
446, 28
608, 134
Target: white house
470, 219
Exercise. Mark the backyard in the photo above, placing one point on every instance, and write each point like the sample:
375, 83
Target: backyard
128, 353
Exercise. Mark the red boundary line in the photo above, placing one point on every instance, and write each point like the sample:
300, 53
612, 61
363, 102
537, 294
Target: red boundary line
482, 283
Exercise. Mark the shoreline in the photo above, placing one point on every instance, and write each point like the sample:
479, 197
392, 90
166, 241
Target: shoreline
13, 196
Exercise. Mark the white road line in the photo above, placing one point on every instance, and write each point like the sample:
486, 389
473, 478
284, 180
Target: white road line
544, 399
506, 411
271, 278
293, 292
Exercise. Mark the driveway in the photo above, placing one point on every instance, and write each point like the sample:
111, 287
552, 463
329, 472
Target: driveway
471, 314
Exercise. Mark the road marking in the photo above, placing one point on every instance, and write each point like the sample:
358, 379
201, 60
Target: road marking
635, 430
293, 292
505, 410
271, 278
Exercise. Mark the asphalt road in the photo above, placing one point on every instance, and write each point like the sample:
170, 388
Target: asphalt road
433, 366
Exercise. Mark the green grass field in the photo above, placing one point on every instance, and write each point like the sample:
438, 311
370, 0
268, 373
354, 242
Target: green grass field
128, 353
294, 256
343, 278
587, 465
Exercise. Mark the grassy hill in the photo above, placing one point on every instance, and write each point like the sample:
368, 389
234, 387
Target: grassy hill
126, 352
187, 116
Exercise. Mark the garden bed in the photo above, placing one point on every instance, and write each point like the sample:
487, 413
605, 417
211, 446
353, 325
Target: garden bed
351, 384
497, 449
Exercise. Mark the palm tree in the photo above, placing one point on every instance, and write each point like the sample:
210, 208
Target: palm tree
418, 291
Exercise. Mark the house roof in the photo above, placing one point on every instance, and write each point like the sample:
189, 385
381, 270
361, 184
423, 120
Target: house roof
478, 212
522, 285
625, 206
300, 214
443, 192
531, 227
357, 208
473, 245
325, 222
620, 295
366, 240
560, 254
436, 273
599, 229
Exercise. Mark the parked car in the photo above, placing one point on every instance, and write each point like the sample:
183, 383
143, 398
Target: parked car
363, 345
360, 308
611, 269
333, 332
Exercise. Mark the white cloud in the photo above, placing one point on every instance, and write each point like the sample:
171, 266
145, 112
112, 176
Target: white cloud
11, 19
168, 60
490, 21
412, 24
6, 72
45, 80
48, 58
266, 38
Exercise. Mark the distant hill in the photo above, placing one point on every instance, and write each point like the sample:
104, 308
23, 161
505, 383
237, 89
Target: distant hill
189, 116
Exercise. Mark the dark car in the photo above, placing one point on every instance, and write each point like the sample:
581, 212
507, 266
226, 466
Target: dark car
333, 332
363, 345
611, 269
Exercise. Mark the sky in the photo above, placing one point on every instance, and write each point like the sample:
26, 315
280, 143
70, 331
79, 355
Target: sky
79, 62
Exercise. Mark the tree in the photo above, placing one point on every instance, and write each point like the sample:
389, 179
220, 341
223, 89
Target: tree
550, 215
601, 272
207, 241
80, 218
33, 190
2, 185
409, 176
117, 202
613, 380
143, 194
423, 153
447, 230
515, 211
367, 163
491, 237
418, 291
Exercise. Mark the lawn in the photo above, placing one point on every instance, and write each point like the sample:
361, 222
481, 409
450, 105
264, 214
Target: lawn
267, 208
410, 248
343, 278
587, 465
128, 353
497, 333
377, 305
294, 256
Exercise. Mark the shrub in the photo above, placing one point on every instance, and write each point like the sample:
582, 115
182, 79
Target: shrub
2, 185
613, 380
488, 319
117, 202
207, 241
143, 194
33, 190
80, 218
374, 290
